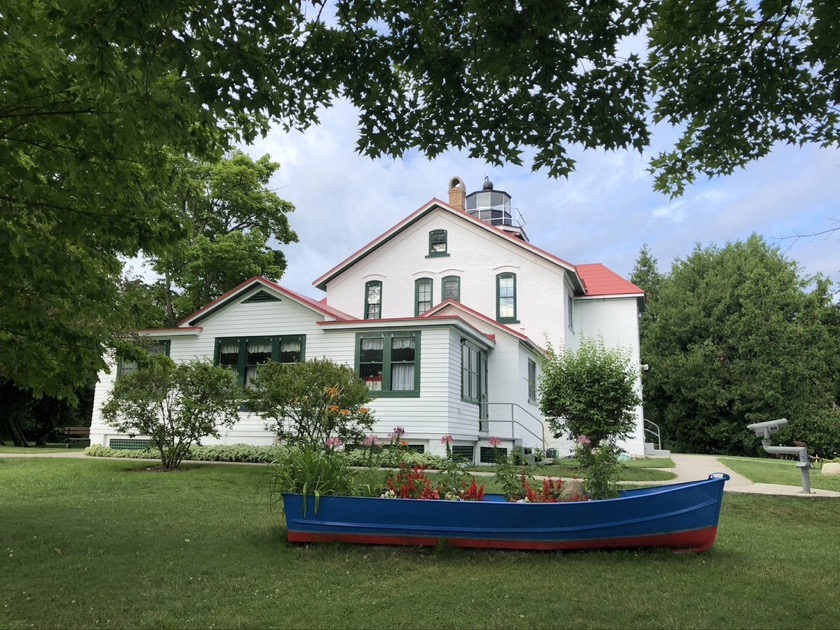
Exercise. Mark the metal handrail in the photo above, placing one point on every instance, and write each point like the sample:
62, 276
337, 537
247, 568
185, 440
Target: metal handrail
513, 421
657, 433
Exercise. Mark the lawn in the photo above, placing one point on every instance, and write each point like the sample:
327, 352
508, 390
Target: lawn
37, 450
779, 471
98, 543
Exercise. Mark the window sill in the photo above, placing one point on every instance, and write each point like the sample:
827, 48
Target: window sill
507, 320
399, 394
438, 256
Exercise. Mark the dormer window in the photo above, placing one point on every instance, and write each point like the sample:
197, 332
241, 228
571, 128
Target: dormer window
438, 245
373, 300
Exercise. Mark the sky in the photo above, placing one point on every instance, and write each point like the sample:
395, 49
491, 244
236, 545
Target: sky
604, 212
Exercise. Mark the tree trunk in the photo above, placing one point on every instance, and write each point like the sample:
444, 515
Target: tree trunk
11, 428
170, 311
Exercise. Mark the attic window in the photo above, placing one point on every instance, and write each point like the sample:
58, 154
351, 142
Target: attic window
261, 296
438, 245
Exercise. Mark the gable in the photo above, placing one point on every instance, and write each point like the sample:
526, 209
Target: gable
268, 292
492, 234
261, 296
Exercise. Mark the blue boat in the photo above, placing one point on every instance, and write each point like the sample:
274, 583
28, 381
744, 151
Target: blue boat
678, 516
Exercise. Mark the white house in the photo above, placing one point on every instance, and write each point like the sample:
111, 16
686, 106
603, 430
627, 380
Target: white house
444, 315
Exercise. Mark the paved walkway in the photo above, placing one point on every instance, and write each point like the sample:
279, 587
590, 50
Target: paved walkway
694, 467
688, 468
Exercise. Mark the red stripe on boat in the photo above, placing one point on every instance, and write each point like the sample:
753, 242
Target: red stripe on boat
697, 541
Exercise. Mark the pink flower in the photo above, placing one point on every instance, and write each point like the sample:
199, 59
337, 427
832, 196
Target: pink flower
584, 441
447, 439
333, 443
371, 440
495, 442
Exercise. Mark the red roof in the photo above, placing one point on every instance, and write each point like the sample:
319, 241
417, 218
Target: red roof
426, 317
433, 312
601, 282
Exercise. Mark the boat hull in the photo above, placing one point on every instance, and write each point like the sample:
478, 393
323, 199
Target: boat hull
679, 516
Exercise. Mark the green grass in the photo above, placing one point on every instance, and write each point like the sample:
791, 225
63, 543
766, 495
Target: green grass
778, 471
647, 469
37, 450
94, 543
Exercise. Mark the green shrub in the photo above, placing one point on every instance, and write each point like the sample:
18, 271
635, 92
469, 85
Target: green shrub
317, 403
104, 451
819, 429
589, 392
393, 457
215, 453
174, 404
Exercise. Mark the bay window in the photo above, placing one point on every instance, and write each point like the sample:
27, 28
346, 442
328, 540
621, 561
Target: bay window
389, 362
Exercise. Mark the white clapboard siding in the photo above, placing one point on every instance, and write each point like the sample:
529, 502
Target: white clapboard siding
476, 256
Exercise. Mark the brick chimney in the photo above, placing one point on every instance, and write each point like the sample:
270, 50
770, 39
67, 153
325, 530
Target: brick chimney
457, 193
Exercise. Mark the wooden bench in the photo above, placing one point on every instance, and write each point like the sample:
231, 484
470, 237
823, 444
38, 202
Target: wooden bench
76, 434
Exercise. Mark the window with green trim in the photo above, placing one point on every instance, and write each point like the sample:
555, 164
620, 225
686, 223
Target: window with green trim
422, 295
571, 312
389, 362
127, 365
532, 380
438, 243
506, 298
473, 373
373, 300
244, 355
450, 289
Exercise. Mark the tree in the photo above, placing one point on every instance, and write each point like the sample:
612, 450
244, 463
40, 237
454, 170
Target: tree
26, 418
592, 395
313, 403
737, 78
737, 336
96, 97
228, 214
589, 393
646, 274
175, 405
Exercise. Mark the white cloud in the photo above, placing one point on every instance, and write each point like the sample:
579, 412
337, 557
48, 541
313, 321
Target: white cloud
603, 212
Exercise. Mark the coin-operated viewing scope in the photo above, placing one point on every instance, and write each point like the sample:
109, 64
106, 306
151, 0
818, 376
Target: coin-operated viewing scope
765, 429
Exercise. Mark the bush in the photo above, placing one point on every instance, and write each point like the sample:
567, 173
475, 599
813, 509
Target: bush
243, 453
393, 457
591, 392
318, 403
819, 429
175, 405
104, 451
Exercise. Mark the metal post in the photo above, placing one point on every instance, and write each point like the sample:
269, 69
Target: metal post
806, 480
805, 464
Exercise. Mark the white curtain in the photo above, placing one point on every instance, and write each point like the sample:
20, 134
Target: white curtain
401, 343
373, 343
259, 347
402, 377
250, 376
229, 348
290, 346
